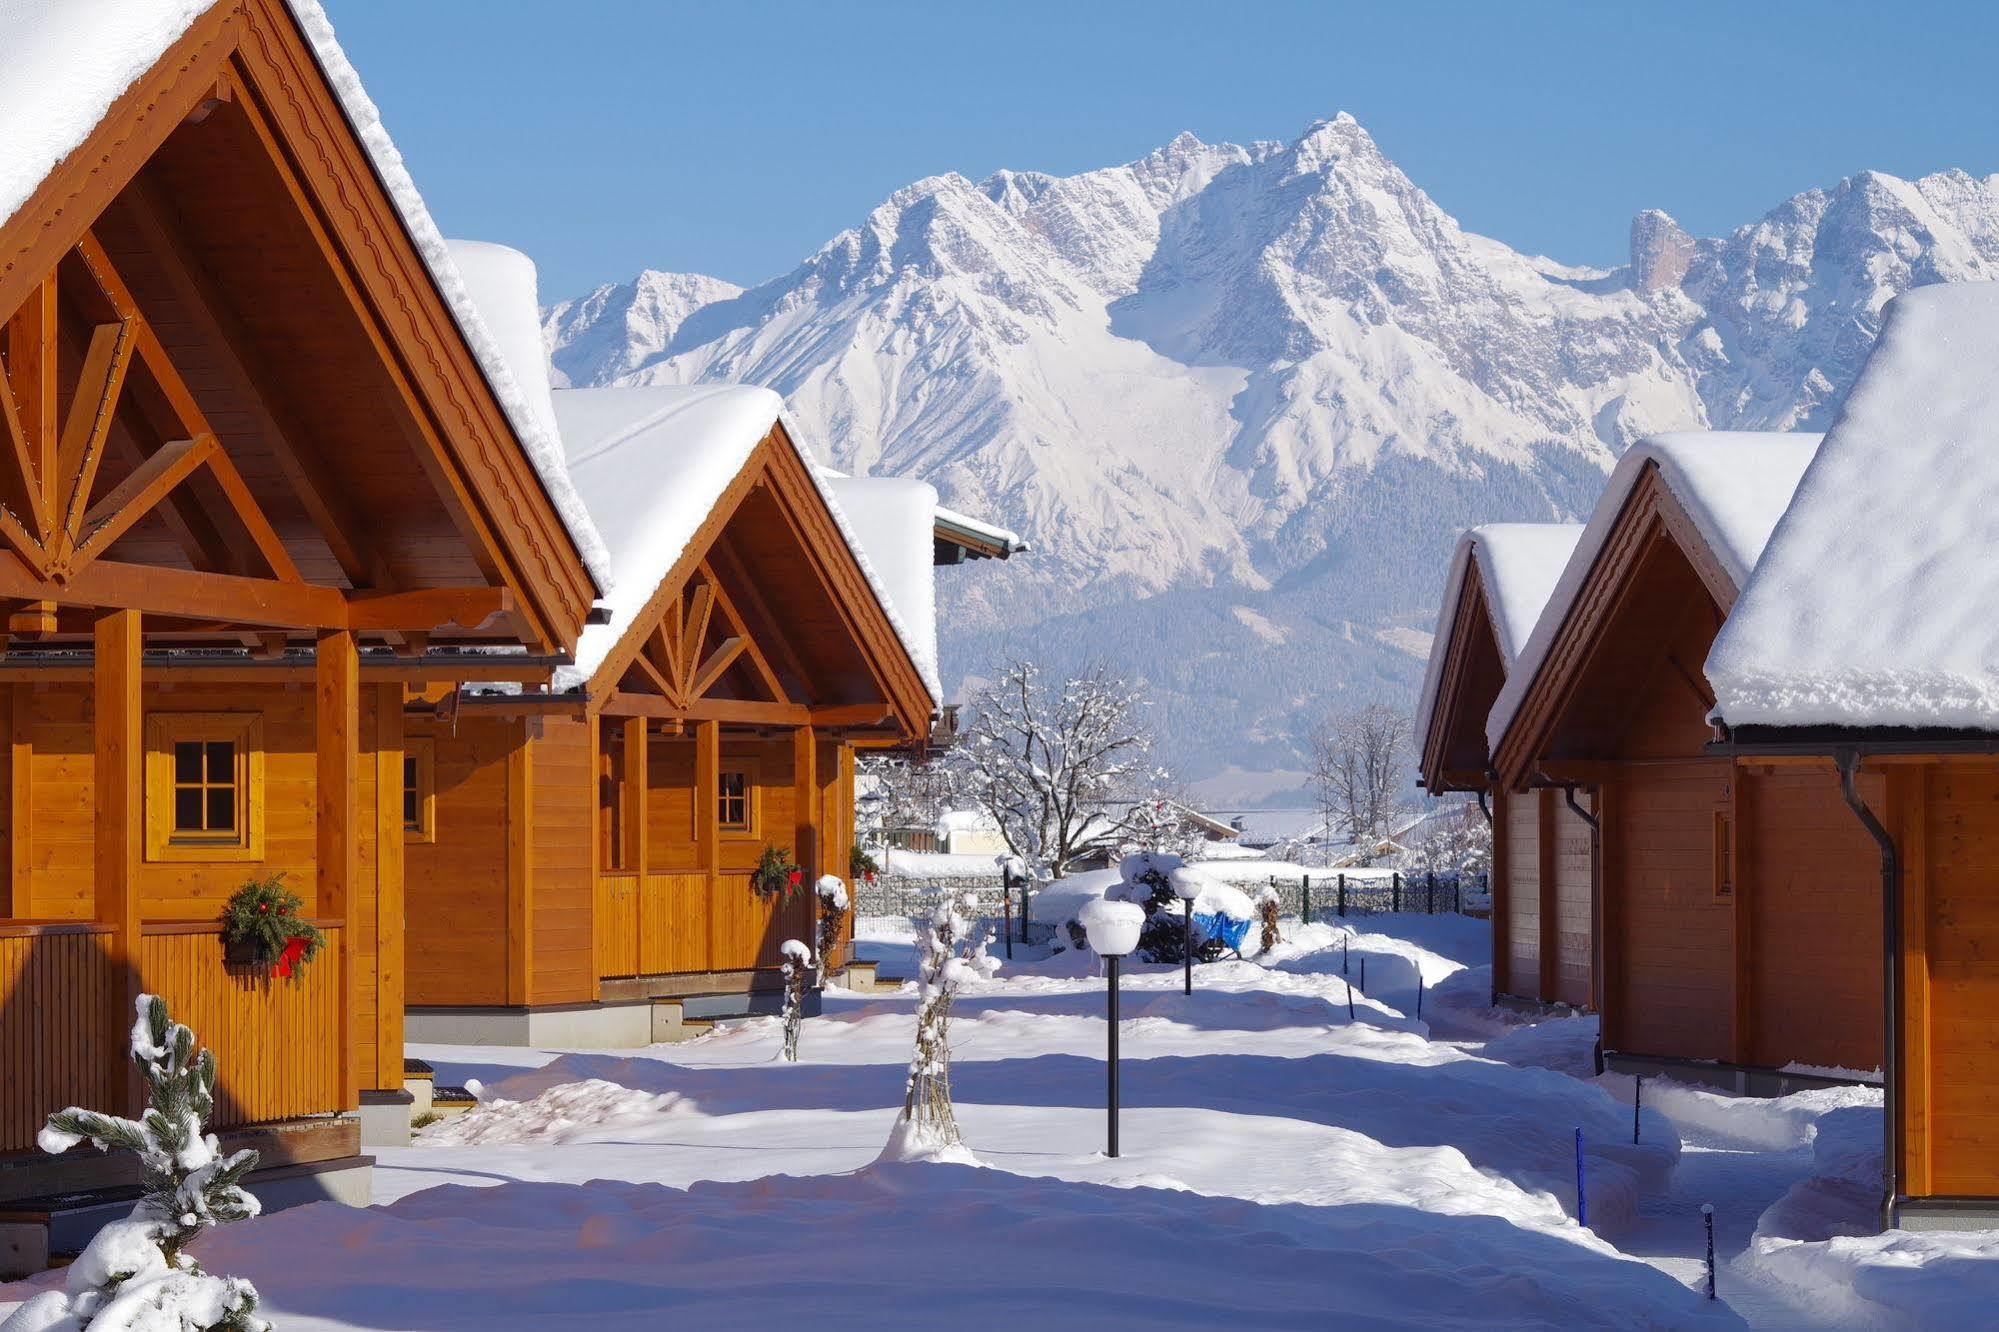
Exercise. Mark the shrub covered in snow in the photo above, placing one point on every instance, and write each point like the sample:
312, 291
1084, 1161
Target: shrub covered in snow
948, 956
1268, 905
1222, 914
136, 1274
832, 896
797, 965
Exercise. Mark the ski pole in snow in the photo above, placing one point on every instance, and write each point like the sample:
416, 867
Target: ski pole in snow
1637, 1101
1419, 996
1707, 1219
1349, 1001
1343, 953
1363, 973
1582, 1192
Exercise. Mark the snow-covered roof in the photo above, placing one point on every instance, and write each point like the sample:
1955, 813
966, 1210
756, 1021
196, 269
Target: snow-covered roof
1734, 486
653, 461
1878, 601
63, 65
1009, 541
1518, 565
890, 517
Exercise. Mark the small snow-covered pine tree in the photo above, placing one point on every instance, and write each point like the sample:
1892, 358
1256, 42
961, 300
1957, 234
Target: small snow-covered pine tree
136, 1273
797, 966
949, 955
832, 890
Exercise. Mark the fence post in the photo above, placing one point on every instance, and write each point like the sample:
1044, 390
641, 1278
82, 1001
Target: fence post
1396, 900
1305, 901
1342, 904
1429, 892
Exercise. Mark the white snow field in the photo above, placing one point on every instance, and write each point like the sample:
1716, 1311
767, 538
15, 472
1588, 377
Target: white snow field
1283, 1165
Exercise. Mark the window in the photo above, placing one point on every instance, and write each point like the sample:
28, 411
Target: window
419, 791
732, 800
204, 786
1724, 855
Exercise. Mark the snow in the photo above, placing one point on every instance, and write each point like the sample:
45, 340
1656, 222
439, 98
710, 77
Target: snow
62, 67
1315, 1169
940, 864
891, 518
833, 890
1005, 538
1873, 606
651, 465
1518, 565
1734, 487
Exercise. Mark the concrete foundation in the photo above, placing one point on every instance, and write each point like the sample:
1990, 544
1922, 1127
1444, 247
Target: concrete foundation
1948, 1214
1737, 1078
581, 1026
385, 1118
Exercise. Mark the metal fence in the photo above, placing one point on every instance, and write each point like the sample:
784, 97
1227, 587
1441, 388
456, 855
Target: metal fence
1332, 894
899, 895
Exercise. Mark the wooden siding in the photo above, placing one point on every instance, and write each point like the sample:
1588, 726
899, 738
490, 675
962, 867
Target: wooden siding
55, 1016
617, 924
1567, 919
455, 884
1957, 1060
1813, 900
561, 969
276, 1041
1522, 872
673, 919
1670, 935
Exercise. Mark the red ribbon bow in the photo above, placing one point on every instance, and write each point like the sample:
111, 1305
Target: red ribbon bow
294, 950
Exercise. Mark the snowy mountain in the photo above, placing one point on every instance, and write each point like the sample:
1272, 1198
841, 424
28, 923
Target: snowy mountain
1243, 398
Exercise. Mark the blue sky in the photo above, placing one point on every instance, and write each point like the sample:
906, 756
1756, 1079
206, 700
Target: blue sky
603, 136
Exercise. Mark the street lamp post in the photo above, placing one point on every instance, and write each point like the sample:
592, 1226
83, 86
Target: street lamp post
1187, 887
1113, 929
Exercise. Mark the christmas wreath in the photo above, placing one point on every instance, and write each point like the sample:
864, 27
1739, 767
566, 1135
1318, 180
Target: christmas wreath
776, 873
861, 865
261, 925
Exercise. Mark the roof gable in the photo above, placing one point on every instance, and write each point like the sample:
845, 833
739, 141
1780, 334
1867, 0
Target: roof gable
1712, 497
256, 99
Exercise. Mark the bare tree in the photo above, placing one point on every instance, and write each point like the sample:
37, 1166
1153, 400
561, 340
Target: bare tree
1057, 769
1459, 840
1360, 772
894, 794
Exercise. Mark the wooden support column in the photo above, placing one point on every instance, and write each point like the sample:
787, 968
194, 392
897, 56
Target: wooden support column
1916, 1129
520, 874
20, 810
707, 816
633, 790
841, 841
598, 729
1548, 951
1742, 1014
805, 836
1497, 891
337, 703
389, 937
118, 796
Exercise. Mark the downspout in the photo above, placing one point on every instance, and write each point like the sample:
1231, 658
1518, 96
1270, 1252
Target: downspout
1485, 805
1891, 980
1595, 915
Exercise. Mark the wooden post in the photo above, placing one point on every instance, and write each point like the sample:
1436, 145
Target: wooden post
389, 969
805, 829
520, 852
637, 852
1742, 1012
843, 830
118, 800
1548, 949
20, 823
707, 818
337, 695
1496, 888
597, 866
1916, 1128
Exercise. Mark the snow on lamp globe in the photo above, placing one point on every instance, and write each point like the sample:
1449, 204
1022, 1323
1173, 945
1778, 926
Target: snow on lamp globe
1113, 929
1187, 884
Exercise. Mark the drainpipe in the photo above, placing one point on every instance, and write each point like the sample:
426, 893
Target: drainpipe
1891, 979
1485, 805
1595, 914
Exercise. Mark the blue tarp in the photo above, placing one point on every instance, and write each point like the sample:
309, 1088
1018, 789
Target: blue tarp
1217, 926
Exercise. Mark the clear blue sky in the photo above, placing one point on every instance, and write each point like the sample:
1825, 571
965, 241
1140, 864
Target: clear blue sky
604, 136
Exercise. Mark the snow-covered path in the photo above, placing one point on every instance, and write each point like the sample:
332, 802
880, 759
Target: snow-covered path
1283, 1166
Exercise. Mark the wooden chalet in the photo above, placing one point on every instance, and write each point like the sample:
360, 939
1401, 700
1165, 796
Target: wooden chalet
580, 860
260, 478
1860, 662
1500, 578
1734, 941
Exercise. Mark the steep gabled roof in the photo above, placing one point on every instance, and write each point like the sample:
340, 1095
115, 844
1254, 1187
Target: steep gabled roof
1719, 493
655, 465
1500, 578
65, 67
1877, 603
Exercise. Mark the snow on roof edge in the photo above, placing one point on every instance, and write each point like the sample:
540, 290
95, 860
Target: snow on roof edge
365, 120
1694, 466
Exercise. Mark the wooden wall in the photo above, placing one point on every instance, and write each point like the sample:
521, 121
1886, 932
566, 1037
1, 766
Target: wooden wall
1569, 906
561, 967
49, 869
1668, 935
455, 884
1521, 872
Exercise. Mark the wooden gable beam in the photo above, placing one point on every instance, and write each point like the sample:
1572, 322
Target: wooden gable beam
318, 491
758, 662
81, 451
653, 675
762, 627
142, 490
23, 486
721, 659
700, 607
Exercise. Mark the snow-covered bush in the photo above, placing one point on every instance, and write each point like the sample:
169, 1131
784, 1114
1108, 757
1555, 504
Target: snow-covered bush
1268, 905
1221, 913
797, 965
949, 955
831, 893
136, 1274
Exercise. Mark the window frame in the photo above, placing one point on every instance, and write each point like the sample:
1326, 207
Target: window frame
244, 730
422, 751
747, 768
